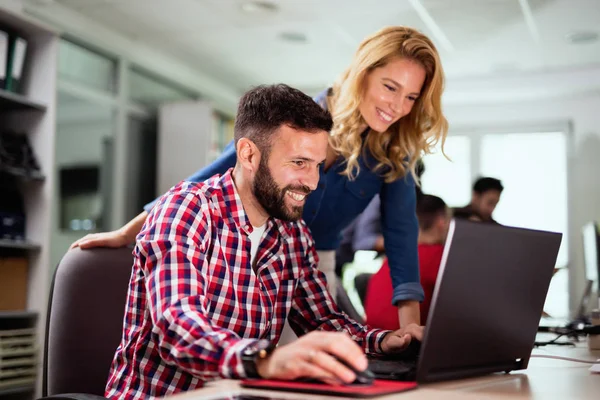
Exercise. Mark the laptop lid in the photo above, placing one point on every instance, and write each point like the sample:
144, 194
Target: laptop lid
487, 301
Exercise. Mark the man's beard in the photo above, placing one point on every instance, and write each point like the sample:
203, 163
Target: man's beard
272, 198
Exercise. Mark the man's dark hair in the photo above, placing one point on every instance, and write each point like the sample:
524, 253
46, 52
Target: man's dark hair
428, 209
419, 170
263, 109
485, 184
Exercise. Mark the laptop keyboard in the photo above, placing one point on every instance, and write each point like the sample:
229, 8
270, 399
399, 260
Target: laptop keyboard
401, 366
392, 369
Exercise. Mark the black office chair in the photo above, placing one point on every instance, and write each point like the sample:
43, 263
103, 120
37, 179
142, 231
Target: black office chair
361, 282
85, 321
345, 304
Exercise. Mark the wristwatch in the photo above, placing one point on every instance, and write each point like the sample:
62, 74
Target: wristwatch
254, 352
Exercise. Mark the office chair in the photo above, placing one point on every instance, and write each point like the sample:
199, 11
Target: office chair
345, 304
361, 282
85, 321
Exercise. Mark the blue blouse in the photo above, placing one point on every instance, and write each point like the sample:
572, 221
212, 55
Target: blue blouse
338, 201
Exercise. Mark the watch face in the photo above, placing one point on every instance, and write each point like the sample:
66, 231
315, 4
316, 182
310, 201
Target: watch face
249, 350
253, 349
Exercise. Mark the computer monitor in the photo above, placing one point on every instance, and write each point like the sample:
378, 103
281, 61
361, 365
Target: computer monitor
591, 253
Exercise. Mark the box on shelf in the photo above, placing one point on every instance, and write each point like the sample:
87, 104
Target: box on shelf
13, 283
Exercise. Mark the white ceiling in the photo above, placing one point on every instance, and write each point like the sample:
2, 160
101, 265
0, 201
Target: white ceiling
240, 49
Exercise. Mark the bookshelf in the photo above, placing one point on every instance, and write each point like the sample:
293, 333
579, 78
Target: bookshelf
32, 111
14, 101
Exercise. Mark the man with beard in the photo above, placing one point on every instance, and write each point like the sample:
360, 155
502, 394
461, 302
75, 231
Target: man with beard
220, 265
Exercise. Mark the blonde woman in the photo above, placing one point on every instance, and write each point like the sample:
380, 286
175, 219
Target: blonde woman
386, 109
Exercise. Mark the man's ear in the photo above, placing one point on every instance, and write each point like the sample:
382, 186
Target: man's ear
248, 154
440, 221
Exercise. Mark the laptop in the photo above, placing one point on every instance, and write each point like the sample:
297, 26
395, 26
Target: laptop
486, 304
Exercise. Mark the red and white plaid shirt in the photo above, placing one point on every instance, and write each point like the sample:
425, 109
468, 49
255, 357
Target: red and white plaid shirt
195, 302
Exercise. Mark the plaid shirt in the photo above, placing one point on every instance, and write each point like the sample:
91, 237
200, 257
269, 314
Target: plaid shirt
195, 301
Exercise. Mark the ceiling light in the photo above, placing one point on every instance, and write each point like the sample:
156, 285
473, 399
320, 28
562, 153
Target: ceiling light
582, 37
295, 37
259, 6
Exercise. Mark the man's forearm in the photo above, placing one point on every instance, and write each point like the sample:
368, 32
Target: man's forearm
409, 313
201, 349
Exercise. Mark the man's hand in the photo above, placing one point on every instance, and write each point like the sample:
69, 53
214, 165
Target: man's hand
399, 340
313, 356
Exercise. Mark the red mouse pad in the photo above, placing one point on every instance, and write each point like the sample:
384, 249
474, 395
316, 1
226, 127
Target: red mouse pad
378, 388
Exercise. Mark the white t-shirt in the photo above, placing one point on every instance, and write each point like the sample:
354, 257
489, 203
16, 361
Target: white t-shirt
255, 241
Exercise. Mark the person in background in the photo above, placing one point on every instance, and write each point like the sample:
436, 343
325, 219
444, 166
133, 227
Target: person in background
484, 199
386, 111
220, 265
434, 222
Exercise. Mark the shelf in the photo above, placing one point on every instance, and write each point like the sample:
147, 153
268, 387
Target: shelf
14, 101
19, 322
22, 173
19, 244
17, 389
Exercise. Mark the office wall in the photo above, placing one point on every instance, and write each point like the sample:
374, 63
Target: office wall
184, 138
543, 100
12, 5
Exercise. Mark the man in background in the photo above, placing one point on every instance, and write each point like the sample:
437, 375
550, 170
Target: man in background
434, 221
484, 199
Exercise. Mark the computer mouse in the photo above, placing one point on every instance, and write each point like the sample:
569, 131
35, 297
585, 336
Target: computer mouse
363, 378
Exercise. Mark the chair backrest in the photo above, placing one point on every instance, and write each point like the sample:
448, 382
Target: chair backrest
361, 282
85, 319
345, 304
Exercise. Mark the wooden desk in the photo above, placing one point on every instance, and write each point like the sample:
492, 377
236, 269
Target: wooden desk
543, 379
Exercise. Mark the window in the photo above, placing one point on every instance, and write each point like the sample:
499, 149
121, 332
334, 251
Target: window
150, 91
82, 65
84, 135
449, 179
533, 169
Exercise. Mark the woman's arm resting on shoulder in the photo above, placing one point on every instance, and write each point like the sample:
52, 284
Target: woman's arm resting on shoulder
118, 238
126, 234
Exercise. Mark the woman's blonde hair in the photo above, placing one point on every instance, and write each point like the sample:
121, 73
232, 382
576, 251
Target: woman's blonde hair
399, 148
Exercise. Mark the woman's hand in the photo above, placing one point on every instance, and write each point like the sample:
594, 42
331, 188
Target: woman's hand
119, 238
399, 340
116, 238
